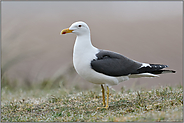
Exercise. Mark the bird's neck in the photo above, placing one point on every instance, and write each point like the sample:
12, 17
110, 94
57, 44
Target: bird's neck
83, 44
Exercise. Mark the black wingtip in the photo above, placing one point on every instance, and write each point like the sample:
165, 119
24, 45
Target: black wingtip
173, 71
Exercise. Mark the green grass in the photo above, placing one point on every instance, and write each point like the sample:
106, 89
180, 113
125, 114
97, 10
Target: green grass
62, 105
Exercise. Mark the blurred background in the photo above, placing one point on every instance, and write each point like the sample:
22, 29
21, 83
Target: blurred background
34, 53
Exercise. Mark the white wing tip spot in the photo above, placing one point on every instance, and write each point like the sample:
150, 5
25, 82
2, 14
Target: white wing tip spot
146, 65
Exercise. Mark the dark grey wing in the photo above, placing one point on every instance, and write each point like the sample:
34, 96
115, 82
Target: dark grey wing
114, 64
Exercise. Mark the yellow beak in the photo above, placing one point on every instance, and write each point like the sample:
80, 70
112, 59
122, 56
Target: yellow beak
64, 31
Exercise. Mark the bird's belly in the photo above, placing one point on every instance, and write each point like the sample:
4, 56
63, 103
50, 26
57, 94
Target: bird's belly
84, 69
82, 65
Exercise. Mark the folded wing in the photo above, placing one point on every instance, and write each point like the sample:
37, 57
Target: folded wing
114, 64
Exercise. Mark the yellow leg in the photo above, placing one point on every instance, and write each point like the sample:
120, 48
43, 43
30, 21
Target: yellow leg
103, 95
107, 106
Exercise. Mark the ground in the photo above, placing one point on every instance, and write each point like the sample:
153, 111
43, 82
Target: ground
63, 105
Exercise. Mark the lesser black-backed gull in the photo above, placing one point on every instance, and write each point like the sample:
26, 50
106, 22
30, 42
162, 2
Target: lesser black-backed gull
106, 67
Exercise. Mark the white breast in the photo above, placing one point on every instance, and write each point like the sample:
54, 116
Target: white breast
82, 64
83, 53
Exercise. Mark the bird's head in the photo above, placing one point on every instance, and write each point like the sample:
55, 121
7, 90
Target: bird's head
79, 28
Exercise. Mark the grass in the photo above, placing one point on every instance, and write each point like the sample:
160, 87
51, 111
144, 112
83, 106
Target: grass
63, 105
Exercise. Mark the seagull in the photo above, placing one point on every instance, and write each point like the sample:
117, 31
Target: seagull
105, 67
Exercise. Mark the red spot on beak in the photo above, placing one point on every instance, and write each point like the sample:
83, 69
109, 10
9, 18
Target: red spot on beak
64, 33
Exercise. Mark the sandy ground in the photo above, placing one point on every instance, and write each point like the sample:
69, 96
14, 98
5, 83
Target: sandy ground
31, 40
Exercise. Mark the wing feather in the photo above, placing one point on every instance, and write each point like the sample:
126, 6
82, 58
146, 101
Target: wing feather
114, 64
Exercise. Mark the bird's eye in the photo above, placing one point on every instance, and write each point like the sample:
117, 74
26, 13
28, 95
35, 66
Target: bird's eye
79, 25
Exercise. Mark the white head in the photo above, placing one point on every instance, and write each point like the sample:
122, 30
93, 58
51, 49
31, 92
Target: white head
79, 28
